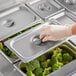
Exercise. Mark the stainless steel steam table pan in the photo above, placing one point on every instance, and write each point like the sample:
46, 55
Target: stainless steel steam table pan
27, 46
6, 67
69, 6
44, 8
64, 17
67, 70
15, 19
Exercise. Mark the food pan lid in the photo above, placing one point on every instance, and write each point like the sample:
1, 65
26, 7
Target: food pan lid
29, 46
4, 4
16, 19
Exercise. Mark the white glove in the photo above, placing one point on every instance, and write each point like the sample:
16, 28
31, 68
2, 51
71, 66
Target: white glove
55, 32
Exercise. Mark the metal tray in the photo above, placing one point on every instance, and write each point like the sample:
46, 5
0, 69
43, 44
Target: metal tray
26, 41
44, 8
73, 40
15, 20
64, 18
13, 60
18, 69
6, 67
66, 70
72, 74
6, 4
70, 7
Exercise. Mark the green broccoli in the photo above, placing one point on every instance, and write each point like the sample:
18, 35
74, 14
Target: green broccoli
13, 56
57, 66
32, 65
46, 63
46, 71
42, 58
30, 73
6, 51
56, 59
1, 46
59, 57
9, 53
57, 54
57, 51
67, 58
38, 71
53, 60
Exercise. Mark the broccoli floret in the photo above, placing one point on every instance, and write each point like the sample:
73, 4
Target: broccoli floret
46, 71
57, 53
67, 58
32, 65
46, 63
42, 58
1, 46
13, 56
9, 53
30, 73
38, 71
53, 60
6, 51
59, 57
57, 66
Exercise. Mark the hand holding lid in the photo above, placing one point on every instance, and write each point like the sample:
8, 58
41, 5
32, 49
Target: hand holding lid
55, 32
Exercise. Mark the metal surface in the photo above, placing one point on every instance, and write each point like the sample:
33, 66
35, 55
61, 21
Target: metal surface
66, 70
5, 4
70, 7
72, 74
26, 49
36, 40
15, 17
64, 18
15, 20
6, 67
44, 8
17, 68
73, 40
70, 2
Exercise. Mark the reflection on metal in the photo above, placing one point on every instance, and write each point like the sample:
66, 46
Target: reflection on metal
71, 2
45, 7
73, 74
8, 23
36, 40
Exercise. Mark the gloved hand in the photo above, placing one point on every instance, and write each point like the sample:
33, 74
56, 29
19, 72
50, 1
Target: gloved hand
54, 32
